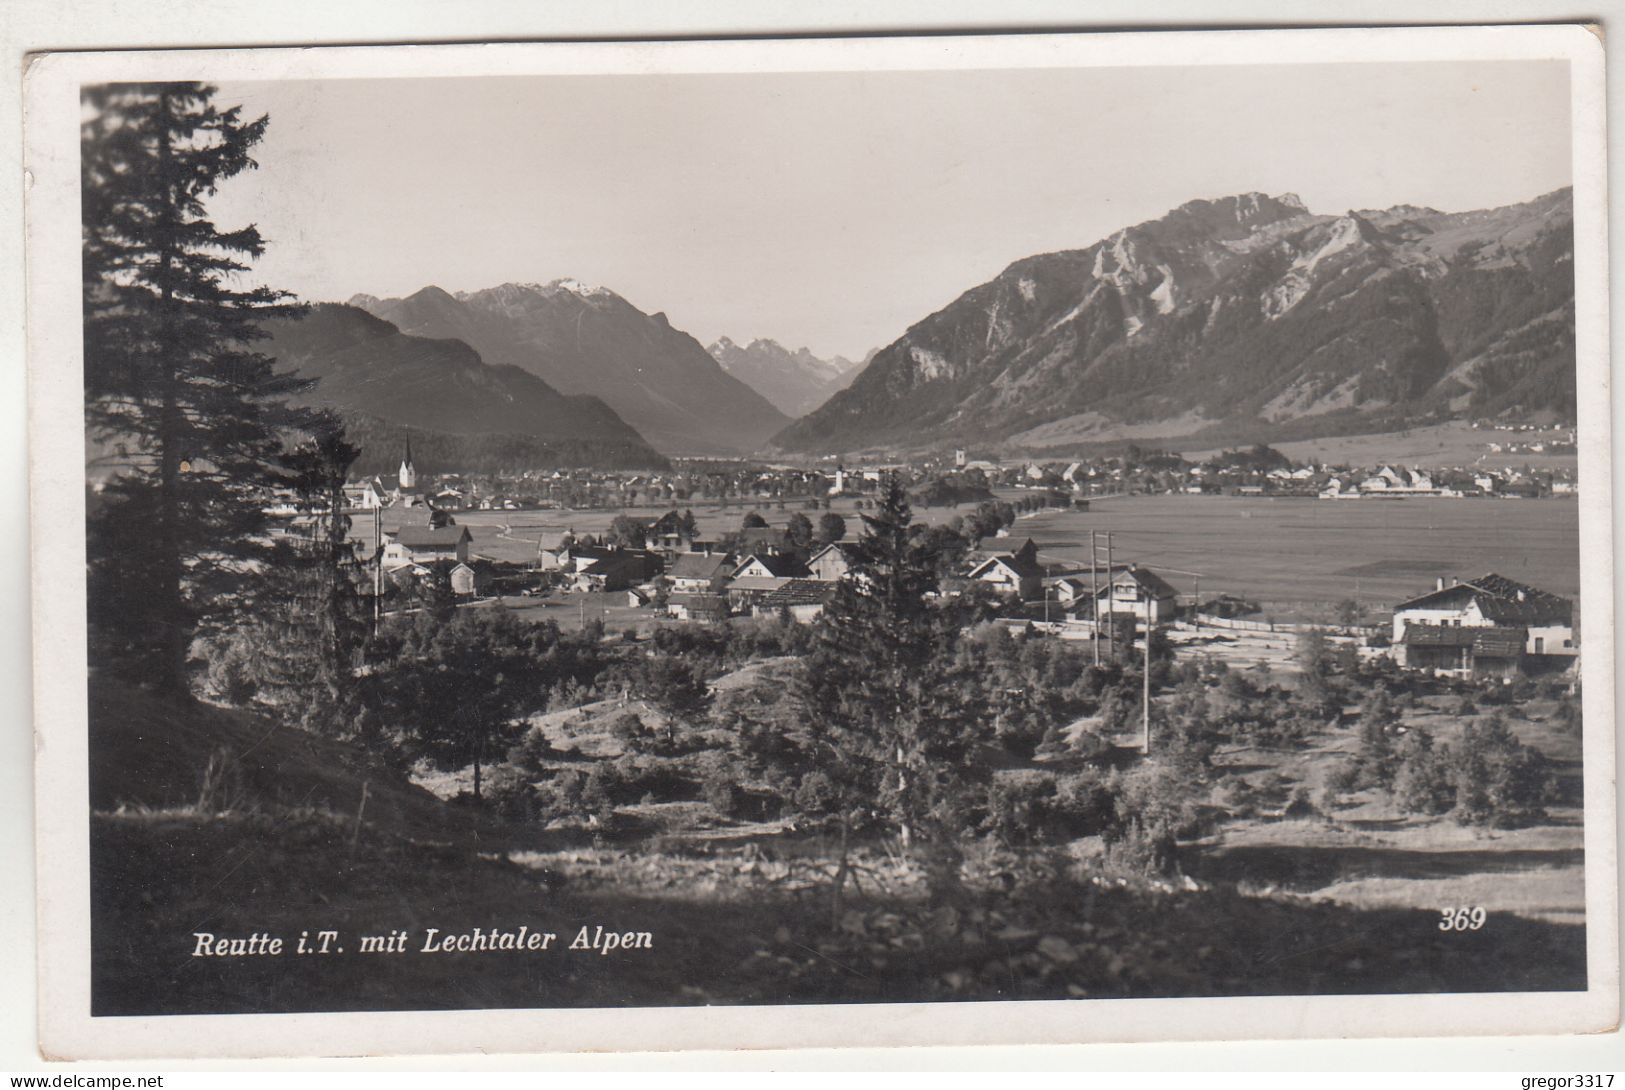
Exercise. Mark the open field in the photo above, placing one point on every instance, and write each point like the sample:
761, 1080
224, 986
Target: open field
1377, 552
1456, 444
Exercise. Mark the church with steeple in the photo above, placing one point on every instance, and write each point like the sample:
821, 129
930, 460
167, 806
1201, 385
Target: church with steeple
409, 473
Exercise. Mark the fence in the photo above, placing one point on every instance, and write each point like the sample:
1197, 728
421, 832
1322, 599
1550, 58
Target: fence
1240, 624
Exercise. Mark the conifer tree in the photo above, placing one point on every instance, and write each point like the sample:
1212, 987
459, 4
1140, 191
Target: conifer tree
171, 381
889, 729
318, 624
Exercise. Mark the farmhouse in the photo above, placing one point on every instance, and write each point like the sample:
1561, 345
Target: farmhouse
699, 573
426, 545
1489, 626
1013, 574
831, 563
1141, 593
761, 574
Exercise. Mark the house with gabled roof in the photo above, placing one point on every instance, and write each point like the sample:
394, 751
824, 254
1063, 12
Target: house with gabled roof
832, 563
697, 607
427, 545
699, 573
1505, 623
1140, 593
759, 575
1017, 574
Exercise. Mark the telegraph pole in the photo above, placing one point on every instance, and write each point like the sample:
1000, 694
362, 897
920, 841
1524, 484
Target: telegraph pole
1145, 705
1094, 601
377, 567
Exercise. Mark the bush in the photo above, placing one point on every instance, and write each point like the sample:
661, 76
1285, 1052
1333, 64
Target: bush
1344, 776
1499, 781
561, 796
1140, 850
1422, 780
531, 751
816, 794
1085, 802
719, 784
1021, 809
627, 729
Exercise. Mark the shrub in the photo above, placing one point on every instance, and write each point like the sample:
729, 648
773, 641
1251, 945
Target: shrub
1499, 781
1085, 803
1020, 809
1422, 780
627, 729
561, 796
1140, 850
531, 751
1344, 776
719, 784
816, 794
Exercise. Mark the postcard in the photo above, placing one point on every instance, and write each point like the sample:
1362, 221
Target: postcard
821, 542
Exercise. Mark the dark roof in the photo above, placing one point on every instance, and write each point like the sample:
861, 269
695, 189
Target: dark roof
1503, 643
1491, 642
1149, 581
847, 550
415, 537
1025, 566
1500, 599
698, 566
1437, 635
613, 564
798, 592
778, 565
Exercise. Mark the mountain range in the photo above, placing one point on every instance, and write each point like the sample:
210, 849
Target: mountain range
1243, 316
587, 340
795, 382
364, 367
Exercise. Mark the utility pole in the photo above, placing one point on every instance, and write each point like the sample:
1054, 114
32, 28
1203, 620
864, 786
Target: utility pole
1094, 601
1145, 704
377, 567
1095, 538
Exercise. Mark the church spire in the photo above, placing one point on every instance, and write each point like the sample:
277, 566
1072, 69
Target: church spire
409, 473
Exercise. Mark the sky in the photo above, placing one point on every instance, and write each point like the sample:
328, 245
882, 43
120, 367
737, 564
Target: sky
834, 210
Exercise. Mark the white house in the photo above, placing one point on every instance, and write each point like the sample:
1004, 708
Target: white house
1542, 624
1141, 593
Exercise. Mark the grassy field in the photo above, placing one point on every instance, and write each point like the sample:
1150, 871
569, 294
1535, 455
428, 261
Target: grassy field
1322, 551
1455, 444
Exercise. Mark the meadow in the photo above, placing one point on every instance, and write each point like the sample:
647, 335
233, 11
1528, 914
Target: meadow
1302, 554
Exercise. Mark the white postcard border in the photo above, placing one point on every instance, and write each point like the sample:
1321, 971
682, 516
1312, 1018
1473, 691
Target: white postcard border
56, 444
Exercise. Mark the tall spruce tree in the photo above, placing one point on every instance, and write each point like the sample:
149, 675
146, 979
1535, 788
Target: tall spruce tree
171, 382
891, 733
317, 624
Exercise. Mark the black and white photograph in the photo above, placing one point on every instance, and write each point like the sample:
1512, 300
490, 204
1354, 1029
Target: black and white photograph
824, 531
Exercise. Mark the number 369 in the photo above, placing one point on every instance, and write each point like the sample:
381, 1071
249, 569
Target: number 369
1462, 919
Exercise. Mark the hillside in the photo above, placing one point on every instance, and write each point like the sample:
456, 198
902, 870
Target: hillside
795, 382
584, 340
366, 369
1245, 313
280, 842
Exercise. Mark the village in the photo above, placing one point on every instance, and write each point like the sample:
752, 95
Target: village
638, 573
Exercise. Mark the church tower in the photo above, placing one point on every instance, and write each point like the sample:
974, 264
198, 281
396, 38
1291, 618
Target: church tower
409, 474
